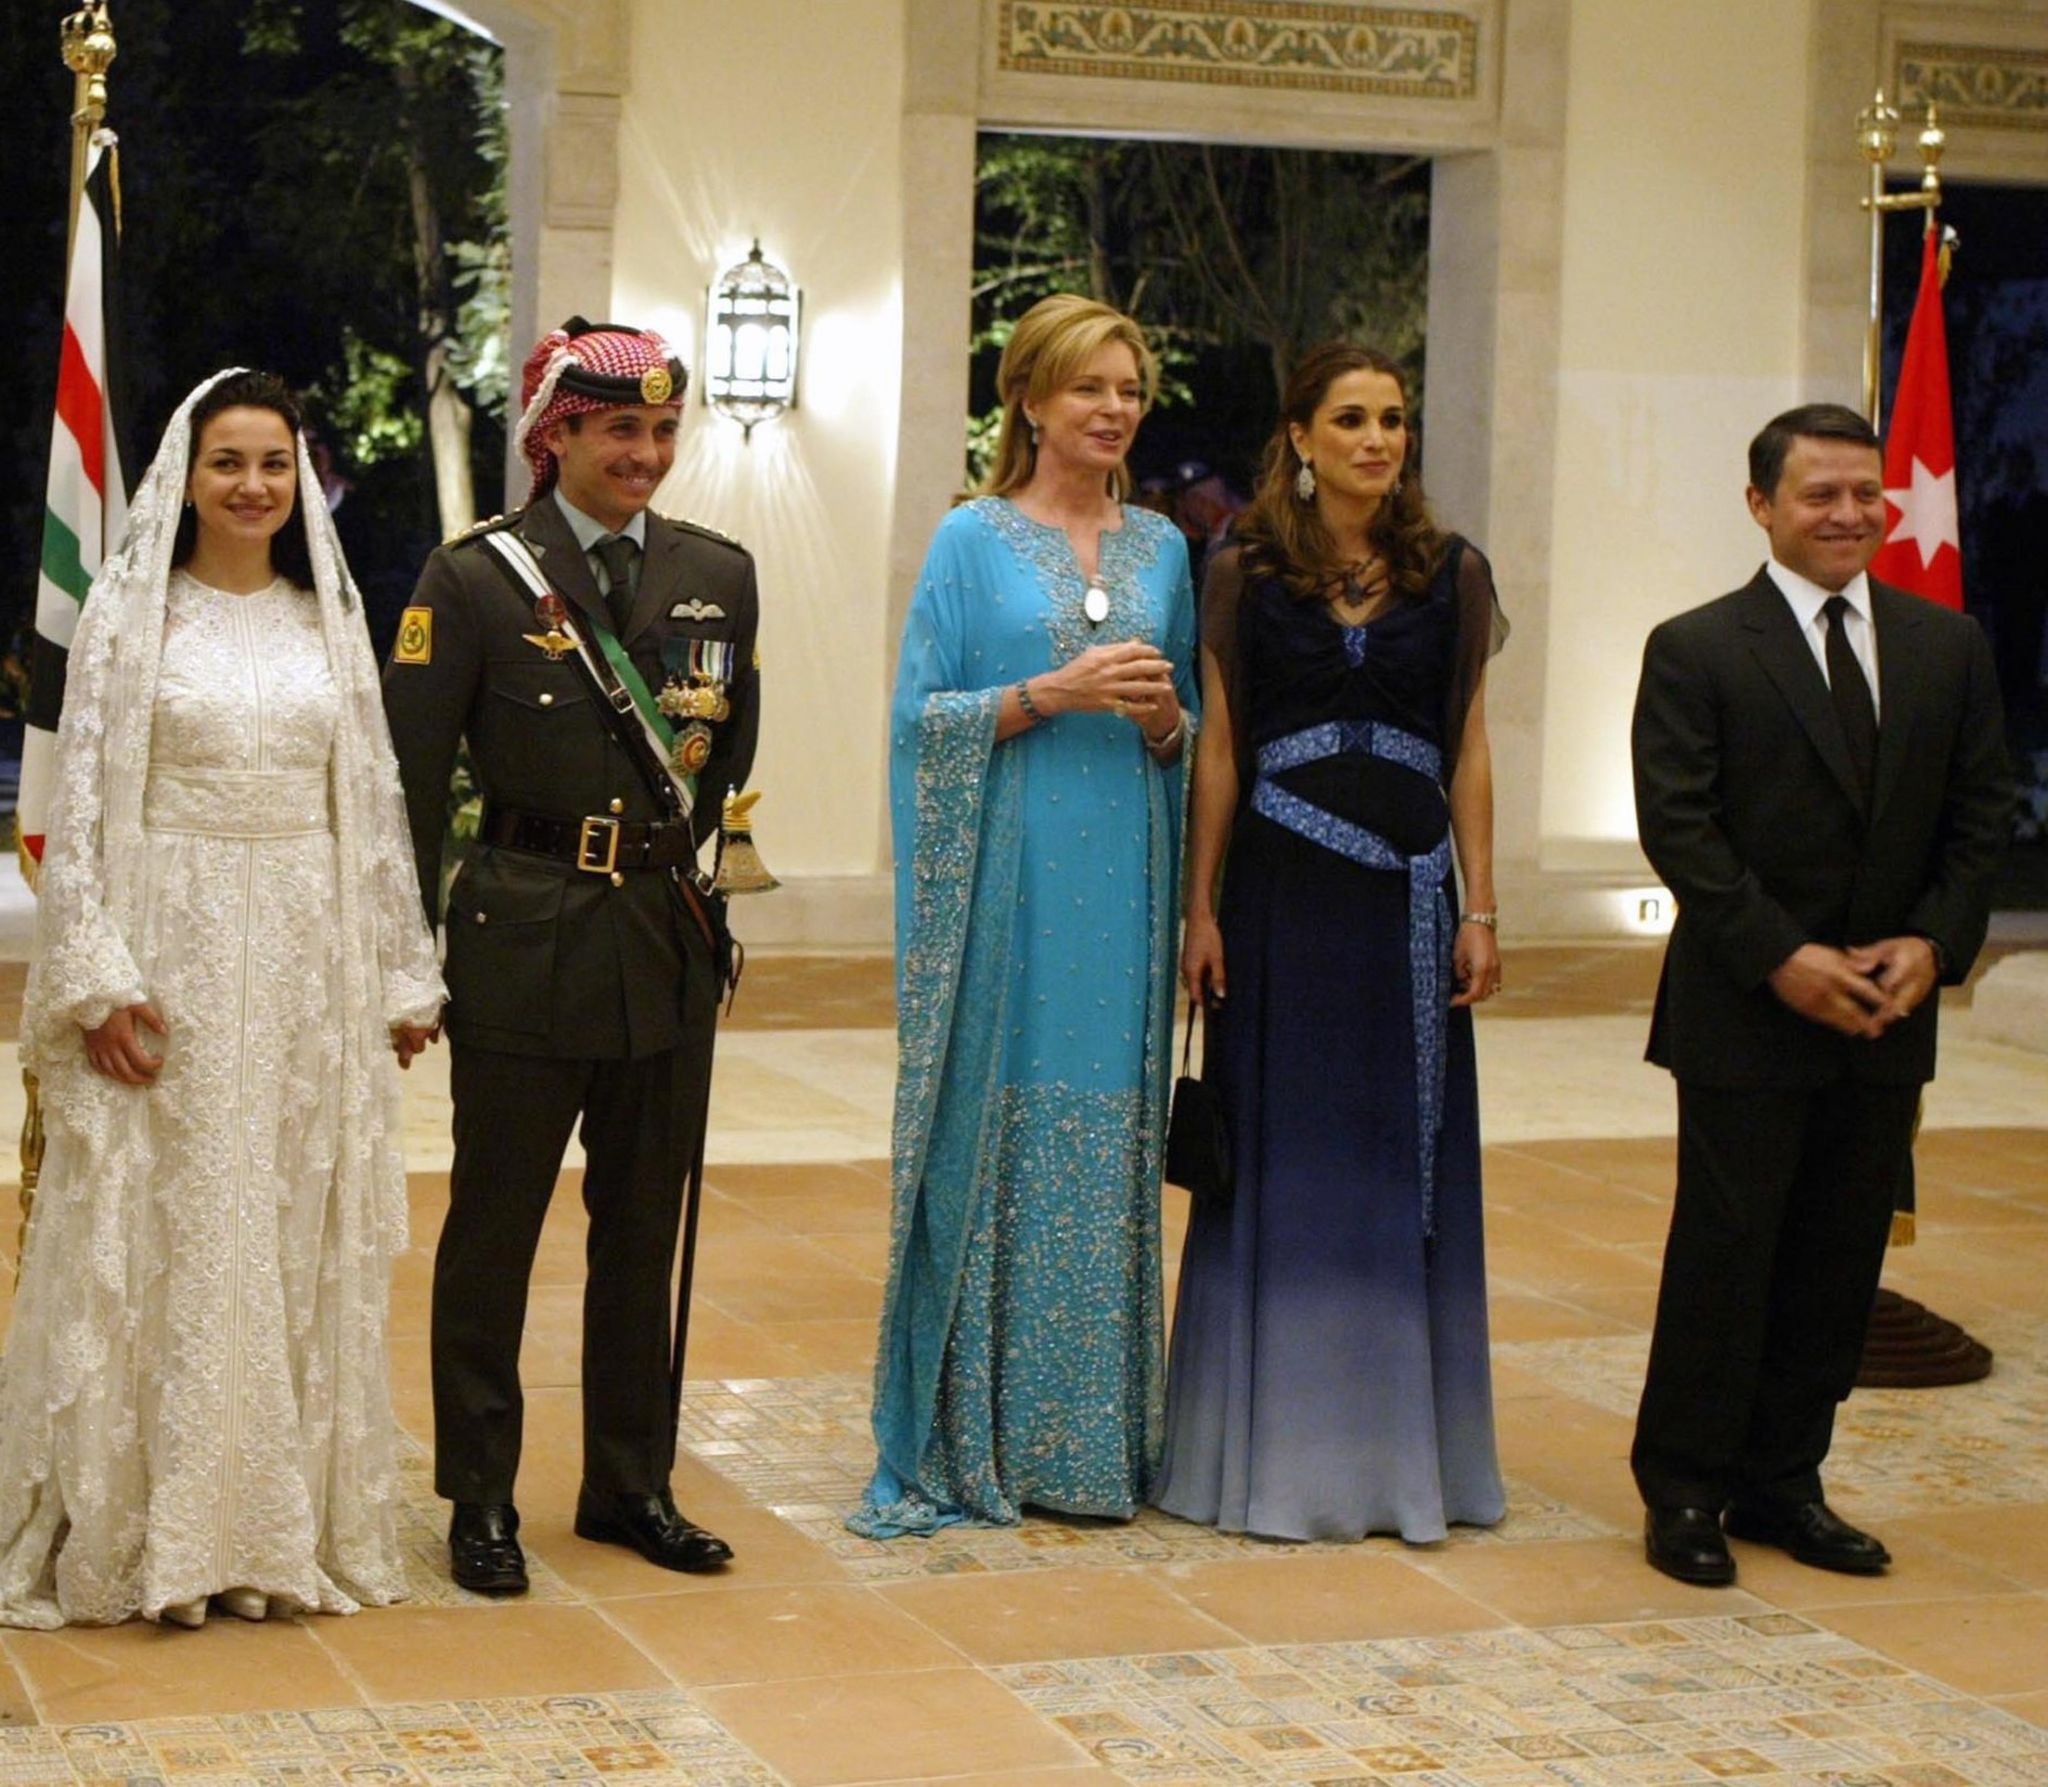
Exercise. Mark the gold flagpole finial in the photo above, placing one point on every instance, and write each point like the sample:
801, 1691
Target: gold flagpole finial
89, 50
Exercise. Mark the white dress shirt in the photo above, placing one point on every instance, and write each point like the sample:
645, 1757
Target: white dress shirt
1807, 600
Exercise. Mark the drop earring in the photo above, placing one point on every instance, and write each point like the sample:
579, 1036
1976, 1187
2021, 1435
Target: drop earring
1305, 483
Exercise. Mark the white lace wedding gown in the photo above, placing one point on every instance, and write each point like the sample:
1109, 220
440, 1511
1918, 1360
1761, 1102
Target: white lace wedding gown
193, 1395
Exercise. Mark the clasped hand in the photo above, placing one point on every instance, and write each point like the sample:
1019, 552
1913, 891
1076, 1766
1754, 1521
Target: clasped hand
1859, 992
117, 1050
1127, 677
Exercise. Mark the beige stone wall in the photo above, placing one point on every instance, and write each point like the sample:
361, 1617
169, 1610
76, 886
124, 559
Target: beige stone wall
1644, 242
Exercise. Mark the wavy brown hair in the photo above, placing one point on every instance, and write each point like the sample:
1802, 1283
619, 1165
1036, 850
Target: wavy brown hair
1284, 537
1048, 346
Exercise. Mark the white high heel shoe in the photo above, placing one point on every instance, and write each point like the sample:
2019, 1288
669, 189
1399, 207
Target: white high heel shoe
245, 1603
190, 1614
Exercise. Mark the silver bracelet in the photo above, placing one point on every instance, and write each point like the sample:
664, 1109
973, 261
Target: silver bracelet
1178, 731
1024, 701
1491, 920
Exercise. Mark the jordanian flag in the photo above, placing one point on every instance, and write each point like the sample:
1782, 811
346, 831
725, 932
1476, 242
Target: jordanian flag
87, 505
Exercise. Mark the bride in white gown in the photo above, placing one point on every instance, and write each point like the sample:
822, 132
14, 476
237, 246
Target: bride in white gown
229, 946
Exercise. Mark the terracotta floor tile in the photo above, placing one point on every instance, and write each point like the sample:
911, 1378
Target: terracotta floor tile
1518, 1315
776, 1634
1989, 1644
771, 1184
1371, 1591
766, 1552
1922, 1570
2010, 1541
2031, 1707
1017, 1777
846, 1345
15, 1708
89, 1674
473, 1653
920, 1726
1569, 1582
1029, 1616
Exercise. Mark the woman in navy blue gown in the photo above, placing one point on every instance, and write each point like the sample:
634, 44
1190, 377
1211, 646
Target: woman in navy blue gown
1329, 1374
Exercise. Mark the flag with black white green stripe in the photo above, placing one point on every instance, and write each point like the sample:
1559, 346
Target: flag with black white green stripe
87, 503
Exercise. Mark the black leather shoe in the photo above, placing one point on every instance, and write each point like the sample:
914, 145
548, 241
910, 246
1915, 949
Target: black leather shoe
483, 1549
1687, 1543
650, 1525
1814, 1534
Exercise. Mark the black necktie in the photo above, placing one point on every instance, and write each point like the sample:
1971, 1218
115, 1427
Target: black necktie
616, 553
1851, 690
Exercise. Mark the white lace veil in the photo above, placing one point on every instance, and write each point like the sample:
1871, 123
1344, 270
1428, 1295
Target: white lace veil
91, 882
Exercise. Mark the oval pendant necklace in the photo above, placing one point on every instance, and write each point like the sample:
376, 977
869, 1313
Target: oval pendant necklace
1095, 604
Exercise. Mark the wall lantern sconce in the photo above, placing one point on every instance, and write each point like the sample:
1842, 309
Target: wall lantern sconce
751, 342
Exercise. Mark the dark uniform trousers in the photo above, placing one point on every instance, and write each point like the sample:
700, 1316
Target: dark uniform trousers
575, 997
640, 1123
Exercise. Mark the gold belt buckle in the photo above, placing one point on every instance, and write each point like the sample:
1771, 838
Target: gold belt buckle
597, 846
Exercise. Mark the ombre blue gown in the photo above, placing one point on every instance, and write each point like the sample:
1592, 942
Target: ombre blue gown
1020, 1357
1329, 1375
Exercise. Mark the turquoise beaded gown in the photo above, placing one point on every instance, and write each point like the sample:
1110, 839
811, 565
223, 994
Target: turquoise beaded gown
1020, 1354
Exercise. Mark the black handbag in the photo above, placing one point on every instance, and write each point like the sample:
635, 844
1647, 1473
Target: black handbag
1197, 1136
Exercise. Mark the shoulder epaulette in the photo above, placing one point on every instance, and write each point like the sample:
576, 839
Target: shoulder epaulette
490, 525
703, 532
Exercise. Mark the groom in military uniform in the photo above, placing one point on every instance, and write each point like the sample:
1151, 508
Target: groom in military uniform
584, 952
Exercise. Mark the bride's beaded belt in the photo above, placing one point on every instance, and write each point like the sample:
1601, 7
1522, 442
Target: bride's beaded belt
237, 803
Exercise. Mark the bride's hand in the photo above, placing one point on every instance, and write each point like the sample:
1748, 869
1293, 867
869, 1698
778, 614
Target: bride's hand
408, 1040
116, 1049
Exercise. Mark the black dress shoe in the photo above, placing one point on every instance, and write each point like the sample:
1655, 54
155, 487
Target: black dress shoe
650, 1525
483, 1549
1687, 1543
1814, 1534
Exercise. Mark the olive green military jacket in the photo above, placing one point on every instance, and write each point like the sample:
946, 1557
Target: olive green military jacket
545, 958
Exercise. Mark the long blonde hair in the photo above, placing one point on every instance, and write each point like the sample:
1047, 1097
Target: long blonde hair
1048, 346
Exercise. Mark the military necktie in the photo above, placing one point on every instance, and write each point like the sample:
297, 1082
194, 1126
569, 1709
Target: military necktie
1851, 691
617, 554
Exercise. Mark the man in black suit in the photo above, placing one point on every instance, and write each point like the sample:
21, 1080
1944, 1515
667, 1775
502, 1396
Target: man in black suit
583, 950
1821, 780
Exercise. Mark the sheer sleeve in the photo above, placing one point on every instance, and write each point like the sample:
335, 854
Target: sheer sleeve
1481, 631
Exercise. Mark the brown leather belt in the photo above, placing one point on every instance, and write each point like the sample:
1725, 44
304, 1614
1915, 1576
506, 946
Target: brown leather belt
598, 846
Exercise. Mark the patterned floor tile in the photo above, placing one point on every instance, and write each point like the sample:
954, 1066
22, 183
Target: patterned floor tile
801, 1448
1899, 1452
423, 1536
650, 1739
1767, 1698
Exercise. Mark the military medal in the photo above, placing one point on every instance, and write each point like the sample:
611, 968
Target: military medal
692, 749
1095, 604
552, 614
698, 690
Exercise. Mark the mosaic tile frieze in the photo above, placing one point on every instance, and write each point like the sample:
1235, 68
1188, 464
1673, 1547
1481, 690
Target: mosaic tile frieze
1766, 1697
650, 1737
1897, 1452
801, 1448
1986, 85
1311, 45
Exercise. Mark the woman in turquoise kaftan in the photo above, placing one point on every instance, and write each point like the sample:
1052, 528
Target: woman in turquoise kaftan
1020, 1357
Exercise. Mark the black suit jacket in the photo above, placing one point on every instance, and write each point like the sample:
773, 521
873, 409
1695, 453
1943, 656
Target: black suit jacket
544, 958
1749, 812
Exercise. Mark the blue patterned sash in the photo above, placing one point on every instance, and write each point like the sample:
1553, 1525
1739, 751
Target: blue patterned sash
1429, 930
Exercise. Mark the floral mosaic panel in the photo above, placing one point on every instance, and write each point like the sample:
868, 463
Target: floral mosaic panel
1896, 1452
651, 1738
1762, 1698
1314, 45
1981, 84
800, 1447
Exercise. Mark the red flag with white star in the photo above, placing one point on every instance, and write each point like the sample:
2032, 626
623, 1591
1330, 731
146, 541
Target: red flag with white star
1923, 546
